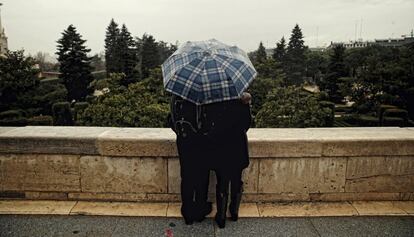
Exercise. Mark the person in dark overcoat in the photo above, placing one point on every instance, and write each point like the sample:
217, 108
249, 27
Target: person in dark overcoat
184, 119
228, 147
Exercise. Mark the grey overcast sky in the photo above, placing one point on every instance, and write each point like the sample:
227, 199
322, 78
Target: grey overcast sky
35, 25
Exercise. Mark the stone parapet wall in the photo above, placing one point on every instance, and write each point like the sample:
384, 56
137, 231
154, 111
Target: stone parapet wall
140, 164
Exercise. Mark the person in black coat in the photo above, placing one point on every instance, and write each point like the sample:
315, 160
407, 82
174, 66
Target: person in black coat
228, 146
185, 121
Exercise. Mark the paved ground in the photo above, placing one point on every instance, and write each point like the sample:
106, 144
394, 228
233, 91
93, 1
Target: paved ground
102, 226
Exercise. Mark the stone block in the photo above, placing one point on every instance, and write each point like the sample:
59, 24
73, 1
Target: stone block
132, 197
139, 142
407, 206
123, 174
51, 140
119, 209
406, 197
6, 129
174, 179
281, 142
380, 174
306, 209
378, 208
163, 197
23, 172
365, 147
302, 175
26, 207
333, 197
46, 195
276, 197
250, 177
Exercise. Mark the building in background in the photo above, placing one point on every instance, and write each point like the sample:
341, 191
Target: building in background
391, 42
3, 37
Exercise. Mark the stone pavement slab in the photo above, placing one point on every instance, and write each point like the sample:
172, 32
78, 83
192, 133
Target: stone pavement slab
364, 226
120, 209
407, 206
169, 227
247, 227
111, 226
36, 207
246, 210
376, 208
47, 225
306, 209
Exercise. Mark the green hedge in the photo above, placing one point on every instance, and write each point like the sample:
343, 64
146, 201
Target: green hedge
41, 121
382, 108
9, 114
62, 115
12, 122
78, 108
394, 117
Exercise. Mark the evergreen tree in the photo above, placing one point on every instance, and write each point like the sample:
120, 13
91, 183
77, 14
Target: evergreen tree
261, 55
280, 51
336, 71
295, 56
165, 50
74, 64
17, 76
112, 56
149, 54
128, 54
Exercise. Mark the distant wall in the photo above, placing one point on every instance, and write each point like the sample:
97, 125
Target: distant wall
140, 164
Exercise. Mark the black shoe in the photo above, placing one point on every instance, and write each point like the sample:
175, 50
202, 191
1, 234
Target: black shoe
204, 210
221, 199
235, 205
187, 213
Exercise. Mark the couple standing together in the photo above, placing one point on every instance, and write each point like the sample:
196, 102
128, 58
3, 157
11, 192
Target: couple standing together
210, 113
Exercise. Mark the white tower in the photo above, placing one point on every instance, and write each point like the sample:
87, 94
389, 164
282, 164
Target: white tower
3, 38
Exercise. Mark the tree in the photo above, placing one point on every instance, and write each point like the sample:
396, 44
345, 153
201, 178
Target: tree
288, 107
17, 76
149, 54
142, 104
295, 57
279, 52
97, 62
316, 65
270, 69
44, 62
74, 64
261, 55
112, 56
336, 70
128, 54
165, 50
259, 89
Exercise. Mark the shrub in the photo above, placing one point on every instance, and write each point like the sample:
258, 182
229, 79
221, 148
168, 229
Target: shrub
61, 114
41, 121
395, 117
11, 122
289, 107
78, 108
382, 108
367, 121
12, 114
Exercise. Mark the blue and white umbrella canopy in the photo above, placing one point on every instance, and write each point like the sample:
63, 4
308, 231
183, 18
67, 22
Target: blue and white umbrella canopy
209, 71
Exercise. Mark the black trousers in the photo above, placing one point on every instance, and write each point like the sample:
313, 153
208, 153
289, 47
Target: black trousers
194, 173
227, 178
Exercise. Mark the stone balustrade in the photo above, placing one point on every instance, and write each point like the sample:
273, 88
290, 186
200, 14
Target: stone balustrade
140, 164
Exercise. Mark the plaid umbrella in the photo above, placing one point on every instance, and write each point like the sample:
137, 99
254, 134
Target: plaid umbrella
208, 71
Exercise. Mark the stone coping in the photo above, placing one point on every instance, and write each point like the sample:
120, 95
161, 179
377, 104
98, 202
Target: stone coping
160, 142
